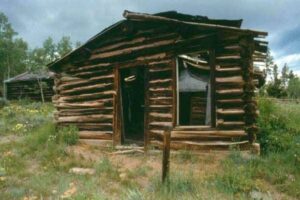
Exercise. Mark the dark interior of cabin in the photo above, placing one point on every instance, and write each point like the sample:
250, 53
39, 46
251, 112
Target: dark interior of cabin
133, 102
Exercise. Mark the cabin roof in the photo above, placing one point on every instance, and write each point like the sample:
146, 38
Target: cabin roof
172, 17
29, 76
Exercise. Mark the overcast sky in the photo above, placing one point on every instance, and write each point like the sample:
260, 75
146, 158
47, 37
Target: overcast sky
35, 20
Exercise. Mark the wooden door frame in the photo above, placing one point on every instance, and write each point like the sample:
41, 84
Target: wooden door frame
117, 134
117, 106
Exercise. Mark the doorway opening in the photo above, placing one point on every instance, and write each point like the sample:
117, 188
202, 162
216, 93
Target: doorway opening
132, 86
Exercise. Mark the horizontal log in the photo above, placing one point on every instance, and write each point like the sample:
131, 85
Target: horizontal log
229, 91
234, 79
161, 102
160, 70
230, 123
230, 101
158, 63
70, 110
96, 104
87, 112
160, 106
229, 133
161, 98
160, 115
132, 49
80, 82
230, 111
161, 123
143, 60
199, 138
135, 42
89, 67
97, 87
192, 127
160, 81
93, 73
106, 135
190, 145
229, 69
228, 57
87, 118
120, 44
209, 145
104, 96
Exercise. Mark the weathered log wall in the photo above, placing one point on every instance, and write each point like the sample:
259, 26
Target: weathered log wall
84, 98
161, 93
29, 90
87, 93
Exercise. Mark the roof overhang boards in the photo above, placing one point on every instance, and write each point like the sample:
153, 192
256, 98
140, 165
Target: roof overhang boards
148, 17
188, 42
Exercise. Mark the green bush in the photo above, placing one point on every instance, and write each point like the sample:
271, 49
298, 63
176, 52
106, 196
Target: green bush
69, 135
276, 134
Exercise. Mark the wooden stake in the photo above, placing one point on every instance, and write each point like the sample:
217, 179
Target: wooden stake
166, 156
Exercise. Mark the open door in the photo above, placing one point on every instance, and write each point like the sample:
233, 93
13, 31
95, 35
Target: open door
132, 91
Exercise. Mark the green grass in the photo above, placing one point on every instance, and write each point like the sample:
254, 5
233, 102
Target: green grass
20, 117
279, 164
37, 163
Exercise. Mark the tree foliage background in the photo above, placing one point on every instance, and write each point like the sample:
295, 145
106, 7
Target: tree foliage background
16, 57
284, 84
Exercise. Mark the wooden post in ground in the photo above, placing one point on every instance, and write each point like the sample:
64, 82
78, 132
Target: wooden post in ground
166, 156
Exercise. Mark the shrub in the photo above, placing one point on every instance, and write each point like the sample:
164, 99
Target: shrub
275, 135
69, 135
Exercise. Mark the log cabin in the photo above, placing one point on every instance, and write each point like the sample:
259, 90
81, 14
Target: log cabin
28, 85
150, 73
